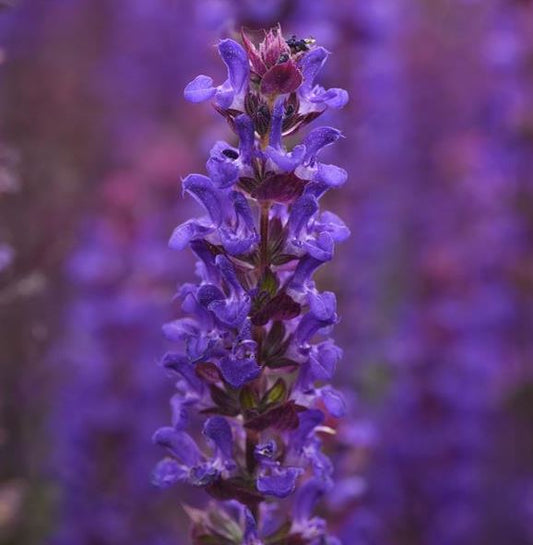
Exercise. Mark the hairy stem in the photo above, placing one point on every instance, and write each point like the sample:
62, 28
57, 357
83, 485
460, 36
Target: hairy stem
263, 230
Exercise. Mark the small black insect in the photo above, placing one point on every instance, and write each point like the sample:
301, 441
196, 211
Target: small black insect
283, 58
231, 154
299, 45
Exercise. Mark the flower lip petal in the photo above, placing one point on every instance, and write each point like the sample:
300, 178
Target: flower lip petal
334, 401
281, 483
201, 188
223, 172
238, 372
179, 443
190, 230
306, 498
199, 89
331, 175
286, 161
302, 211
218, 431
168, 472
334, 98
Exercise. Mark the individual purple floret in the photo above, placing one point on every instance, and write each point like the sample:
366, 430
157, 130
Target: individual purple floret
255, 356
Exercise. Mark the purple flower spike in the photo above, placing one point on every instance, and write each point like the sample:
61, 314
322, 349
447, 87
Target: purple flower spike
254, 356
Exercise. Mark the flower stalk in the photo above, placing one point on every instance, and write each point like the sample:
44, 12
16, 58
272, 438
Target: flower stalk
254, 355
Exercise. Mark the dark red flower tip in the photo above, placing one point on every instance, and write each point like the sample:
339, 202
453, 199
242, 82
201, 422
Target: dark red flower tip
282, 188
281, 79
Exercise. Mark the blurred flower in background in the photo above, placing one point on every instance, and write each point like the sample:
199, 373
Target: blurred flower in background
435, 286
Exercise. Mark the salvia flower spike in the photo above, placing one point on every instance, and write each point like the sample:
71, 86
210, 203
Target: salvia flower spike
254, 354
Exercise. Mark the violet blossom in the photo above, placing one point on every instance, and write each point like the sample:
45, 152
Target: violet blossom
254, 354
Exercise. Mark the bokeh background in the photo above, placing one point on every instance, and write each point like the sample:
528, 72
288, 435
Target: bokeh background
435, 286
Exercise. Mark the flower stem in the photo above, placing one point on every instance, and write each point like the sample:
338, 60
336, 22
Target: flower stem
263, 230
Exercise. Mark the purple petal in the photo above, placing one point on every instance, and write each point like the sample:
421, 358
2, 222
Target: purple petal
242, 209
226, 268
286, 161
301, 212
266, 452
168, 472
310, 65
231, 313
200, 89
180, 329
180, 417
207, 258
218, 430
276, 123
222, 171
308, 421
321, 315
235, 243
280, 484
305, 268
322, 248
238, 372
224, 95
179, 364
332, 224
250, 528
236, 60
334, 98
208, 293
201, 188
180, 444
331, 175
324, 362
318, 139
203, 474
333, 401
190, 230
245, 129
323, 305
306, 498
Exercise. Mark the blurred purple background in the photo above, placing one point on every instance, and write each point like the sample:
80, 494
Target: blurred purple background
435, 286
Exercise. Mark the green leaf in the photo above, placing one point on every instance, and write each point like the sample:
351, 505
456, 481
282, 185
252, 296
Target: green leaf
248, 398
276, 394
282, 259
279, 362
269, 282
